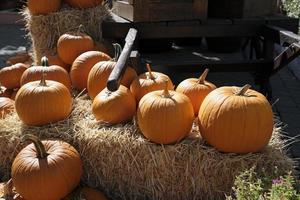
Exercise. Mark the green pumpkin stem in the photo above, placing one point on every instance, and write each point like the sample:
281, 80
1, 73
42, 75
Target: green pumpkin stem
118, 50
243, 90
151, 76
166, 93
40, 148
203, 76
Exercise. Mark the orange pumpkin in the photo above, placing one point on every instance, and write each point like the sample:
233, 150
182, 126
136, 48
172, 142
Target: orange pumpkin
236, 120
164, 116
99, 75
54, 59
10, 76
114, 107
83, 65
54, 73
149, 82
4, 92
37, 7
46, 169
6, 106
50, 101
196, 90
71, 45
84, 3
19, 58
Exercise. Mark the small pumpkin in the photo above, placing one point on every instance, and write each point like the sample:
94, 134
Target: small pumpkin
83, 65
6, 106
149, 82
236, 120
50, 101
87, 194
83, 3
71, 45
99, 75
196, 89
54, 59
19, 58
114, 107
165, 116
54, 73
10, 76
47, 169
4, 92
42, 7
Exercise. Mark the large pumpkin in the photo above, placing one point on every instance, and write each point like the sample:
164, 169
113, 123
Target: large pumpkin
236, 120
10, 76
99, 75
6, 106
164, 116
54, 59
196, 90
148, 82
54, 73
71, 45
50, 101
46, 169
84, 3
114, 107
82, 66
37, 7
4, 92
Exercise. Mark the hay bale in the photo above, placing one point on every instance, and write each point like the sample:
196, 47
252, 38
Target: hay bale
123, 164
44, 30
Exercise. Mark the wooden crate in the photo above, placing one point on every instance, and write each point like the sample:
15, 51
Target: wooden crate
241, 8
161, 10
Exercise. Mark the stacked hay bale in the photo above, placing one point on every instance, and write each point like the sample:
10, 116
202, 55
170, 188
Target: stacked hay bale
121, 162
44, 30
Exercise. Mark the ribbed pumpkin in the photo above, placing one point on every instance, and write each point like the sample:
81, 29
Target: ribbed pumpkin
82, 66
46, 169
54, 73
6, 106
99, 75
84, 3
196, 90
114, 107
236, 120
148, 82
164, 116
10, 76
54, 59
71, 45
37, 7
4, 92
50, 101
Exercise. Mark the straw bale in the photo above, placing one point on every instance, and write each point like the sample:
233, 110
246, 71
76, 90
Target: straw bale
121, 162
44, 30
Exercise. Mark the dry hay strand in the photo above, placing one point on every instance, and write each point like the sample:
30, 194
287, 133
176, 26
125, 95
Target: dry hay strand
45, 30
123, 164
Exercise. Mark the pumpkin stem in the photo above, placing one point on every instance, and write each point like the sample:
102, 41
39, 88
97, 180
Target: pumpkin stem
151, 76
43, 80
45, 61
118, 50
80, 29
203, 76
243, 90
39, 147
166, 93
